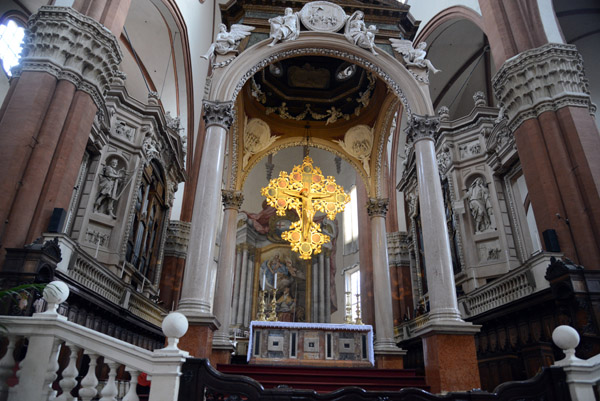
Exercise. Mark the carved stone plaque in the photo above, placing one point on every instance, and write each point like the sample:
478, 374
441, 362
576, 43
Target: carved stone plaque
323, 16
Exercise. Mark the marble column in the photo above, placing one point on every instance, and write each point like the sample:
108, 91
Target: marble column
327, 286
249, 293
195, 300
448, 342
384, 321
315, 290
322, 317
236, 285
232, 201
243, 285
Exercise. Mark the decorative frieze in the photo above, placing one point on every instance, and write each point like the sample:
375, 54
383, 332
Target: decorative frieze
543, 79
218, 113
377, 207
73, 47
422, 127
232, 199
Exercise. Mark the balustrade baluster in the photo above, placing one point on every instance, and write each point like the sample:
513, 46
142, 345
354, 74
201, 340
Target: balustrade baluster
132, 393
90, 381
69, 374
6, 367
51, 372
109, 392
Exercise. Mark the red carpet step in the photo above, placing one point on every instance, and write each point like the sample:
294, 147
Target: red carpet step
326, 379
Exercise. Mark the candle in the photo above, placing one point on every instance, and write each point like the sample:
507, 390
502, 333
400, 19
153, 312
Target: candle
263, 283
275, 282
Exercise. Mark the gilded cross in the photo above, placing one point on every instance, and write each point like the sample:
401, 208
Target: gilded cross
306, 191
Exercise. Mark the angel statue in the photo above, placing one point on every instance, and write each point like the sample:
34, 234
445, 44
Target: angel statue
284, 27
356, 32
227, 42
413, 57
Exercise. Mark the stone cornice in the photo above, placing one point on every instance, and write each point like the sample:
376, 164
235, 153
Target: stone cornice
422, 127
73, 47
232, 199
218, 113
543, 79
377, 207
178, 237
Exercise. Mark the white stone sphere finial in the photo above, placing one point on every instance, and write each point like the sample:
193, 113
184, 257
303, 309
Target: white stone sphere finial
567, 339
54, 294
174, 326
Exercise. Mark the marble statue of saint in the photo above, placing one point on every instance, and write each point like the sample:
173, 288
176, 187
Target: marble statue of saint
480, 205
108, 188
357, 32
284, 27
413, 57
227, 42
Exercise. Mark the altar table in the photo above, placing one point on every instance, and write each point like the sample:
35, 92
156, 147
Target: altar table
316, 344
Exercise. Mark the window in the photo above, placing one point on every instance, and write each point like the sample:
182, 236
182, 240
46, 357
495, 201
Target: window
532, 240
351, 224
11, 39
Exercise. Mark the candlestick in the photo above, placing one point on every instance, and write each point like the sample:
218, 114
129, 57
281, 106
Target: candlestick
349, 308
358, 319
273, 314
261, 307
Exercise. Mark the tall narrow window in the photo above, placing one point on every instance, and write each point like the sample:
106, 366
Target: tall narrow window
352, 278
11, 40
351, 224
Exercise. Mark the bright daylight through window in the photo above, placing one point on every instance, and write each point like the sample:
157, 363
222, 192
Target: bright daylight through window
11, 38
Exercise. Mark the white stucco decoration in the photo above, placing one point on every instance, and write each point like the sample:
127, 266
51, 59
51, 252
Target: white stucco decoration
323, 16
257, 137
358, 143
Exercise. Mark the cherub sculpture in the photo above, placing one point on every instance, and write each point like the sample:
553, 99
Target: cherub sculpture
413, 57
227, 42
284, 27
356, 32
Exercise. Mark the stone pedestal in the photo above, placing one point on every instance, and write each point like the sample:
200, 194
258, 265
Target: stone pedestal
450, 356
389, 360
199, 337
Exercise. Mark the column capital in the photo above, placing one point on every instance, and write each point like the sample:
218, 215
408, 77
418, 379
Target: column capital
232, 199
377, 207
422, 127
65, 43
525, 90
218, 113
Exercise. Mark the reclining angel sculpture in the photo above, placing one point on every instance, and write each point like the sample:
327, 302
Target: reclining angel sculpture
356, 32
413, 57
227, 42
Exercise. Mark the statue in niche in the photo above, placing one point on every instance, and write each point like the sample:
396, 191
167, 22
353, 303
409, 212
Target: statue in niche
284, 27
108, 187
357, 32
480, 205
227, 42
413, 57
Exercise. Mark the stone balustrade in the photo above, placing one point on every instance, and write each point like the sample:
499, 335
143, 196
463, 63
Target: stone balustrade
48, 332
582, 375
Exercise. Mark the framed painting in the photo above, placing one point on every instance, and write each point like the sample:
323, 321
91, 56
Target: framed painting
277, 267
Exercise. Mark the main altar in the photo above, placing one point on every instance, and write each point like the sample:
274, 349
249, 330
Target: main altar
315, 344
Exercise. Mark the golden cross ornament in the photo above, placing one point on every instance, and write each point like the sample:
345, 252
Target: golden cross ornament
306, 191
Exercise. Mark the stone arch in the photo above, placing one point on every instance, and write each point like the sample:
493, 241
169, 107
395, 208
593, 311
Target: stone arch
414, 95
449, 14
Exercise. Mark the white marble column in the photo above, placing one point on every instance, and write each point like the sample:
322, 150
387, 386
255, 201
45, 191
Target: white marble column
249, 288
315, 290
236, 285
322, 317
384, 315
327, 286
195, 300
243, 285
232, 201
438, 261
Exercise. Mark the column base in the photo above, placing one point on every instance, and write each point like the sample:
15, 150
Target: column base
388, 355
221, 355
450, 356
198, 339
